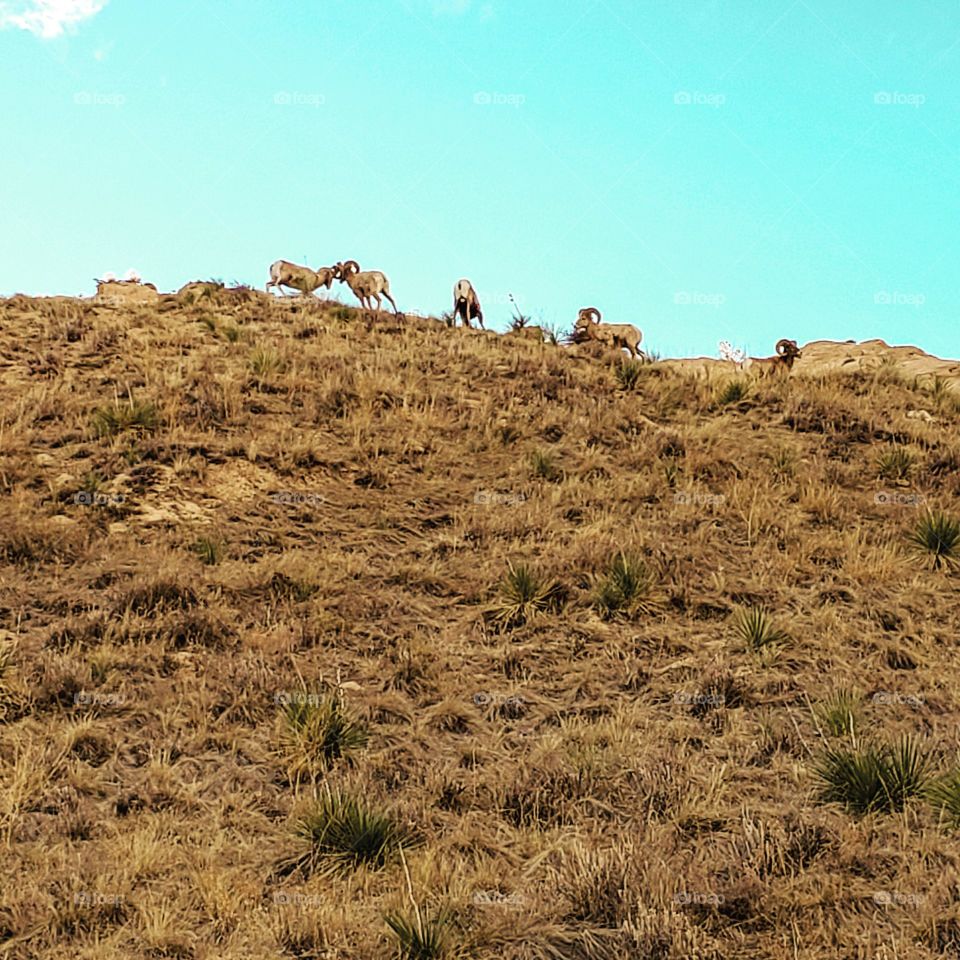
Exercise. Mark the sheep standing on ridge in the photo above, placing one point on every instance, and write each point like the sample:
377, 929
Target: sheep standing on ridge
292, 275
782, 363
466, 303
367, 285
614, 335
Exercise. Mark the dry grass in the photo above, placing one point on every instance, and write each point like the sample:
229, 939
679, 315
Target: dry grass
576, 639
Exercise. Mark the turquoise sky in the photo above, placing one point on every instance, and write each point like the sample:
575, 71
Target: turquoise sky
704, 170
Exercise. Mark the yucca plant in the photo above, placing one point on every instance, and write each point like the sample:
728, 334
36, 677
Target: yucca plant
425, 938
732, 392
544, 466
755, 629
783, 463
895, 463
938, 534
839, 713
319, 731
626, 588
523, 593
944, 794
628, 373
343, 832
117, 417
209, 550
870, 778
265, 362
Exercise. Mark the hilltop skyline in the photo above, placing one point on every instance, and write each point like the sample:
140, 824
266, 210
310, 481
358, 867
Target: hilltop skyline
705, 171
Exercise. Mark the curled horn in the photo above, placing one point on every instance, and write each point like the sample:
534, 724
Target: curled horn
590, 314
350, 266
788, 348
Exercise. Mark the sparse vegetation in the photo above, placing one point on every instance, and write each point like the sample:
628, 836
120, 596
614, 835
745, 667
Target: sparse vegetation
755, 629
626, 588
869, 778
344, 832
939, 535
522, 594
559, 699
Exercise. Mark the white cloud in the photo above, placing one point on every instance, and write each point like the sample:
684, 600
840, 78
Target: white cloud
47, 18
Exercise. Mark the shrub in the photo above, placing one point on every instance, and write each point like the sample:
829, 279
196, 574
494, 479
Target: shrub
626, 588
756, 630
318, 732
628, 373
938, 534
871, 778
523, 594
839, 712
344, 832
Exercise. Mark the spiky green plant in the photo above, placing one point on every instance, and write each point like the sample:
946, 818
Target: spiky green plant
626, 588
209, 550
265, 362
732, 392
425, 938
628, 373
120, 416
938, 534
871, 778
839, 713
544, 466
783, 462
944, 794
755, 629
343, 832
895, 463
522, 594
320, 730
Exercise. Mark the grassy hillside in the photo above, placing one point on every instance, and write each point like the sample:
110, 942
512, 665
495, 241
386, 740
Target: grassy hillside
319, 637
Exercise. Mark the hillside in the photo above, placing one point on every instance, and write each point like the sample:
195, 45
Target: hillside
256, 558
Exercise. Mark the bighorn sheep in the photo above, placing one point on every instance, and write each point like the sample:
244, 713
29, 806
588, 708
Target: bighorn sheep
367, 285
286, 274
614, 335
787, 353
466, 303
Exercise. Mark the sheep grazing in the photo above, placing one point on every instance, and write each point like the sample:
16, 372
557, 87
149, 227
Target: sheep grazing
286, 274
466, 303
782, 363
614, 335
367, 285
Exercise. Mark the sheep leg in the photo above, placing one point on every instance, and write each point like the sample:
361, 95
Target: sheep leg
395, 310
